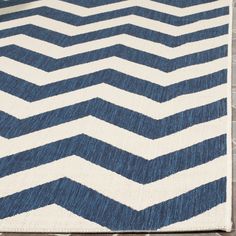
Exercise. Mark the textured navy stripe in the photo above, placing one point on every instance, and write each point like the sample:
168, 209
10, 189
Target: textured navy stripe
63, 40
96, 207
12, 127
31, 92
126, 164
84, 3
92, 3
138, 11
95, 3
167, 65
177, 3
147, 168
183, 3
10, 3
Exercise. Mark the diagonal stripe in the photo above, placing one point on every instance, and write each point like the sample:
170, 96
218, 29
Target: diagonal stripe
113, 113
98, 179
126, 164
20, 109
206, 221
31, 92
93, 3
163, 38
138, 145
57, 52
79, 10
71, 30
43, 218
51, 218
86, 4
155, 76
141, 124
128, 54
184, 3
65, 193
70, 14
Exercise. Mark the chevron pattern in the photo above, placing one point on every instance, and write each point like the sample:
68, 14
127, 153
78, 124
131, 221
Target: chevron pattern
114, 115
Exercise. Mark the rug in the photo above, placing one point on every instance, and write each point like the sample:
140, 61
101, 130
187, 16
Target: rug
115, 115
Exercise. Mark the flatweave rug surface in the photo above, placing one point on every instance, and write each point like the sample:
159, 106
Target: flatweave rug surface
115, 115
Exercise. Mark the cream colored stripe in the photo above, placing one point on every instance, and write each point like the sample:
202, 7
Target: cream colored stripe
22, 109
51, 218
71, 30
57, 52
113, 185
83, 11
209, 220
156, 76
118, 137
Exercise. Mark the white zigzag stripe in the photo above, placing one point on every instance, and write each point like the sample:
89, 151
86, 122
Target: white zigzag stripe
123, 190
83, 11
57, 52
111, 134
43, 219
51, 218
206, 220
156, 76
22, 109
71, 30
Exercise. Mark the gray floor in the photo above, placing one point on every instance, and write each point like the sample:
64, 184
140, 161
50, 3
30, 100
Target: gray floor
234, 159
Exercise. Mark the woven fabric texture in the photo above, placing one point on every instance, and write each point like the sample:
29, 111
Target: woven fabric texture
115, 115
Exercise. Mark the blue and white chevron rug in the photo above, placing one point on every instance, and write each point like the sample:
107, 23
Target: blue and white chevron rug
115, 115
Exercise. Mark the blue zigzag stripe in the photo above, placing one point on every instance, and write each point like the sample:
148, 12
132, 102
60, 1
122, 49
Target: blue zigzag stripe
140, 169
95, 207
138, 11
31, 92
182, 3
12, 127
92, 3
126, 164
177, 3
64, 40
14, 3
84, 3
49, 64
95, 3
